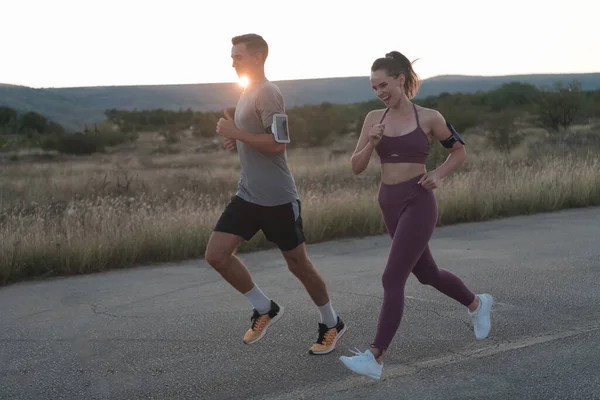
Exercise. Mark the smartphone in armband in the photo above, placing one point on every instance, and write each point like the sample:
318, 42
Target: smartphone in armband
280, 129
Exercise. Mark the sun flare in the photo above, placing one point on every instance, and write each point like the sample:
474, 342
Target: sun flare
243, 81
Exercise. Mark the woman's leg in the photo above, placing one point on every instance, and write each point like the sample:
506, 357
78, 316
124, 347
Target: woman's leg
410, 235
480, 306
414, 228
428, 273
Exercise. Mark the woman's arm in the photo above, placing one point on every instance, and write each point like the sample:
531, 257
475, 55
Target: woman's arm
364, 148
456, 154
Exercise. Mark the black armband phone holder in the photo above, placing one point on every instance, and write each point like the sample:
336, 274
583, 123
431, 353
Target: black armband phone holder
453, 138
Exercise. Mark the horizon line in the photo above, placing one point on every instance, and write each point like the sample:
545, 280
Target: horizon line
294, 80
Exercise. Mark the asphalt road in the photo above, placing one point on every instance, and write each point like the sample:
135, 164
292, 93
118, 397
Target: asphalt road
174, 331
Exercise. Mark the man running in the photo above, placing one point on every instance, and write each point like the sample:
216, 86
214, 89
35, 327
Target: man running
266, 200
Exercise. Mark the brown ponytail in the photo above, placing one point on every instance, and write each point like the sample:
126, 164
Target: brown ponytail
396, 63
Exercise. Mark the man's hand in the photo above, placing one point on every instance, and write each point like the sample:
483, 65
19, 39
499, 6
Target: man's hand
230, 133
231, 145
226, 127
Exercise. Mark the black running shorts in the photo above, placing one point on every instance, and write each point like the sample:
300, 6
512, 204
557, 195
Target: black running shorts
281, 225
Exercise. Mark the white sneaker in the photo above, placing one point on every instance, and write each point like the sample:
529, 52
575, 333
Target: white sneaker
363, 364
481, 317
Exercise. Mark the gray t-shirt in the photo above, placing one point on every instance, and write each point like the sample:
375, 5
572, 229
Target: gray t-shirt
265, 178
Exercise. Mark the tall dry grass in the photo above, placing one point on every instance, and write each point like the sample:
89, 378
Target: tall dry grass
116, 211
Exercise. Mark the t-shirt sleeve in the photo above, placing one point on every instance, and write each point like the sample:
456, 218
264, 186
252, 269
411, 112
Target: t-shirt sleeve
269, 102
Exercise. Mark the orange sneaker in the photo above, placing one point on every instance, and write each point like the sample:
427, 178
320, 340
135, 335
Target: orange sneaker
328, 338
261, 322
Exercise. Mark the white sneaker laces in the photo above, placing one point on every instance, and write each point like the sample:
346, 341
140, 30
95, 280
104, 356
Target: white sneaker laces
360, 356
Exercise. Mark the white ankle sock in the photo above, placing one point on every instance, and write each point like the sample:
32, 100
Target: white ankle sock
259, 301
328, 316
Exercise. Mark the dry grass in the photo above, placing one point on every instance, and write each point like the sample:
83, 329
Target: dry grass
120, 210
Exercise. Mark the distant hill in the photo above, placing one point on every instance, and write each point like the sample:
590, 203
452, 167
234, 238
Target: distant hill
74, 107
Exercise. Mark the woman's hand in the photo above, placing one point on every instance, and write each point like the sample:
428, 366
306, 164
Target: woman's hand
430, 181
375, 134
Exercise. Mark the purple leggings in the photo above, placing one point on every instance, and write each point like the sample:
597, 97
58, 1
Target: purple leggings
410, 215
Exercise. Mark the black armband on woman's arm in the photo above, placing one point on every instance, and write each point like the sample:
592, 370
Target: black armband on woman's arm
453, 138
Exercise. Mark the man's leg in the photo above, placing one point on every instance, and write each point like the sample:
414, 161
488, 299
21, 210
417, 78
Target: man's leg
219, 254
282, 225
300, 265
237, 223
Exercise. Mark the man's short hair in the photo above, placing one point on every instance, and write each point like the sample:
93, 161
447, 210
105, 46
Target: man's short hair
254, 43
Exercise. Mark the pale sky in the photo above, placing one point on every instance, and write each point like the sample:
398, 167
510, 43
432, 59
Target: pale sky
62, 43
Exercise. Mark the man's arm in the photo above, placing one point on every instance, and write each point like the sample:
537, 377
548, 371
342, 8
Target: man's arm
268, 103
261, 142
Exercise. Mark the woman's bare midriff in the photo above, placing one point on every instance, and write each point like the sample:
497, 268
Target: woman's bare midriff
392, 174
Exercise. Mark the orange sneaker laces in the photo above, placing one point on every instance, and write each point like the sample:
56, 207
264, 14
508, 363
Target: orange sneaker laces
260, 322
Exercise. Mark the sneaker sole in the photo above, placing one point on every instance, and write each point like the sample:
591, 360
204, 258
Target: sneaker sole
491, 299
273, 321
333, 346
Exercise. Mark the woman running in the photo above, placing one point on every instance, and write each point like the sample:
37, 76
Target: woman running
401, 134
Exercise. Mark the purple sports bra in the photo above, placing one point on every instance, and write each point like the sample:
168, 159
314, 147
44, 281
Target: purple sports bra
412, 147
